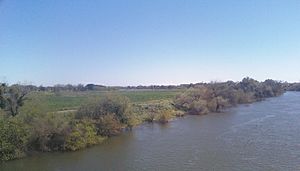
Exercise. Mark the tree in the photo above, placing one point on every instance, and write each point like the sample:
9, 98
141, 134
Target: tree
12, 98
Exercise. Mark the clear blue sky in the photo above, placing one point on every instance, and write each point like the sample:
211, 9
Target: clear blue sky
132, 42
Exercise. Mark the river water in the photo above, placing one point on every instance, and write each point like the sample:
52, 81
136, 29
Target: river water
260, 136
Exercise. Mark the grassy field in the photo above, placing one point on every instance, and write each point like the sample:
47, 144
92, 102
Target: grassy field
72, 100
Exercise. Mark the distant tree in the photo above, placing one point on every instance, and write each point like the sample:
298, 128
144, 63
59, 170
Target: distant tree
41, 88
248, 84
80, 87
57, 89
90, 86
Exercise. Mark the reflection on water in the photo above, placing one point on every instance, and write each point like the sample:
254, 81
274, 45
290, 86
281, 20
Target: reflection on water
260, 136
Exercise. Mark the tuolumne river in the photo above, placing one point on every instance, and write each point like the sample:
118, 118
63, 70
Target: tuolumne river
260, 136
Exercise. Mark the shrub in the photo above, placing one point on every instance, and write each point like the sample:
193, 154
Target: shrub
214, 97
49, 132
111, 104
83, 134
217, 104
151, 111
150, 117
165, 116
109, 114
198, 107
108, 125
133, 120
13, 139
245, 97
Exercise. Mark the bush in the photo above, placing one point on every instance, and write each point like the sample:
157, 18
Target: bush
108, 125
13, 139
133, 120
165, 116
111, 104
48, 131
109, 114
151, 111
83, 134
198, 107
214, 97
150, 117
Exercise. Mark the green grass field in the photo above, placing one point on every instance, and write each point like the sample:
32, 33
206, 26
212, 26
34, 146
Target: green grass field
72, 100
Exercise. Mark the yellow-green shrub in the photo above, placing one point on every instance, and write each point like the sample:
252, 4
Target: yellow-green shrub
83, 134
13, 139
165, 116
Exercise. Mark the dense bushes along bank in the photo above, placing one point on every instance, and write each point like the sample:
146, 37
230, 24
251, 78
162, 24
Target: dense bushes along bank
214, 97
39, 130
36, 129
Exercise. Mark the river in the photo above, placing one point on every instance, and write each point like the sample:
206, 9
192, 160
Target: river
260, 136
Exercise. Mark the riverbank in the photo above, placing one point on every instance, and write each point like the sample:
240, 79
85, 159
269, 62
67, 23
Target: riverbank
37, 129
259, 136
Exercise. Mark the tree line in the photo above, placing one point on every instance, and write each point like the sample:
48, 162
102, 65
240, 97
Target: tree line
214, 97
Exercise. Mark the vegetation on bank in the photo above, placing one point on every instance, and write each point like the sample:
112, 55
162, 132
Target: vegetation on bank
37, 127
33, 120
294, 87
214, 97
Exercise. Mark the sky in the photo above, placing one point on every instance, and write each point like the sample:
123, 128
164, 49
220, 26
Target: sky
146, 42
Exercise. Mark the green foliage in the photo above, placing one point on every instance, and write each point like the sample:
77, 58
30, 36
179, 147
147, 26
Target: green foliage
133, 120
214, 97
40, 125
150, 116
151, 111
87, 117
116, 105
83, 134
198, 100
13, 139
48, 131
110, 114
108, 125
165, 116
198, 107
34, 107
